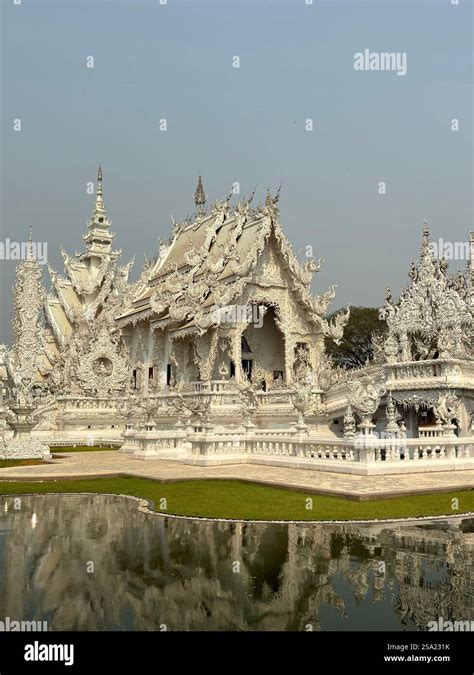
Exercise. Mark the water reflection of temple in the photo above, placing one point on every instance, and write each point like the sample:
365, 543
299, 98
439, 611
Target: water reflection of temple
191, 575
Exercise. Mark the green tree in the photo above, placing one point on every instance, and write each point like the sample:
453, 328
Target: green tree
357, 344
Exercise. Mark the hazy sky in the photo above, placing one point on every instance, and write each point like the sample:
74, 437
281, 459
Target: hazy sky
247, 124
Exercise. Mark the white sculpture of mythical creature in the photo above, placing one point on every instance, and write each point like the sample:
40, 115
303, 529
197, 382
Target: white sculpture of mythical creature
147, 409
378, 351
335, 328
195, 257
157, 303
446, 408
176, 281
302, 367
349, 423
364, 395
198, 408
215, 263
322, 302
301, 399
308, 269
424, 348
239, 267
45, 414
248, 398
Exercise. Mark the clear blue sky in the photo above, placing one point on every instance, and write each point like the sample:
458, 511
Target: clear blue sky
245, 125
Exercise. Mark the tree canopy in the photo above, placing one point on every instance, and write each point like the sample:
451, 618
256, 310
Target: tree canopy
357, 345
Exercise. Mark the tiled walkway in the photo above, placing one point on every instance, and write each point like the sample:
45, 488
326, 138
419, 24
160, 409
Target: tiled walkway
103, 463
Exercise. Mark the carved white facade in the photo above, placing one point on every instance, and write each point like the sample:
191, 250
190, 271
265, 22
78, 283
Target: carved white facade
217, 353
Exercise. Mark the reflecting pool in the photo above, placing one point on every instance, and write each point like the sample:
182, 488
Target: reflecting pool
83, 562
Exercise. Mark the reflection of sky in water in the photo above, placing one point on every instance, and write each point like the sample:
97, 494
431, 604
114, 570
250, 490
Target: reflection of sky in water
371, 615
150, 571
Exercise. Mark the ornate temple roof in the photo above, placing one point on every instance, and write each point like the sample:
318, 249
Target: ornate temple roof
211, 258
92, 281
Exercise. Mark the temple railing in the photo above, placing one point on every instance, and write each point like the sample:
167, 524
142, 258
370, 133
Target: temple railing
364, 449
212, 386
447, 370
430, 431
97, 441
378, 450
90, 402
227, 386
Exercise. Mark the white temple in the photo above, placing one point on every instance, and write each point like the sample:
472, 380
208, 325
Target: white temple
217, 355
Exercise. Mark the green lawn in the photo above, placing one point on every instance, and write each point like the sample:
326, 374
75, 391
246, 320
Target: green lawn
4, 463
247, 501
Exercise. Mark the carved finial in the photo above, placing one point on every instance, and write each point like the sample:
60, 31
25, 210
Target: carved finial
199, 195
277, 196
268, 198
426, 229
99, 180
388, 296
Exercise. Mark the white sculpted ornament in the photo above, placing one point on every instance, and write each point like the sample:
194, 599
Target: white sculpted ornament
432, 314
365, 395
301, 399
446, 408
349, 423
103, 368
335, 328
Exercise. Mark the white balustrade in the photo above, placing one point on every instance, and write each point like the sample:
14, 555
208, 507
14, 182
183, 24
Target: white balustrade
284, 443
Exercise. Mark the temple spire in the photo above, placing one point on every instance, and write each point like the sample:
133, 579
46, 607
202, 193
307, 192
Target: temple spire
199, 195
99, 181
99, 208
99, 198
98, 238
426, 246
30, 255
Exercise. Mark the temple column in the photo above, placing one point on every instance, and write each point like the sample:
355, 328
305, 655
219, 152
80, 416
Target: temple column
168, 347
289, 357
212, 355
237, 352
148, 361
315, 352
202, 343
159, 359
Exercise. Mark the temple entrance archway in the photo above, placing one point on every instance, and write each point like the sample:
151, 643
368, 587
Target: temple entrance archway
263, 350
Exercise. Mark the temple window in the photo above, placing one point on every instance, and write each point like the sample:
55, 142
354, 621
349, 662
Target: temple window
247, 367
150, 373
